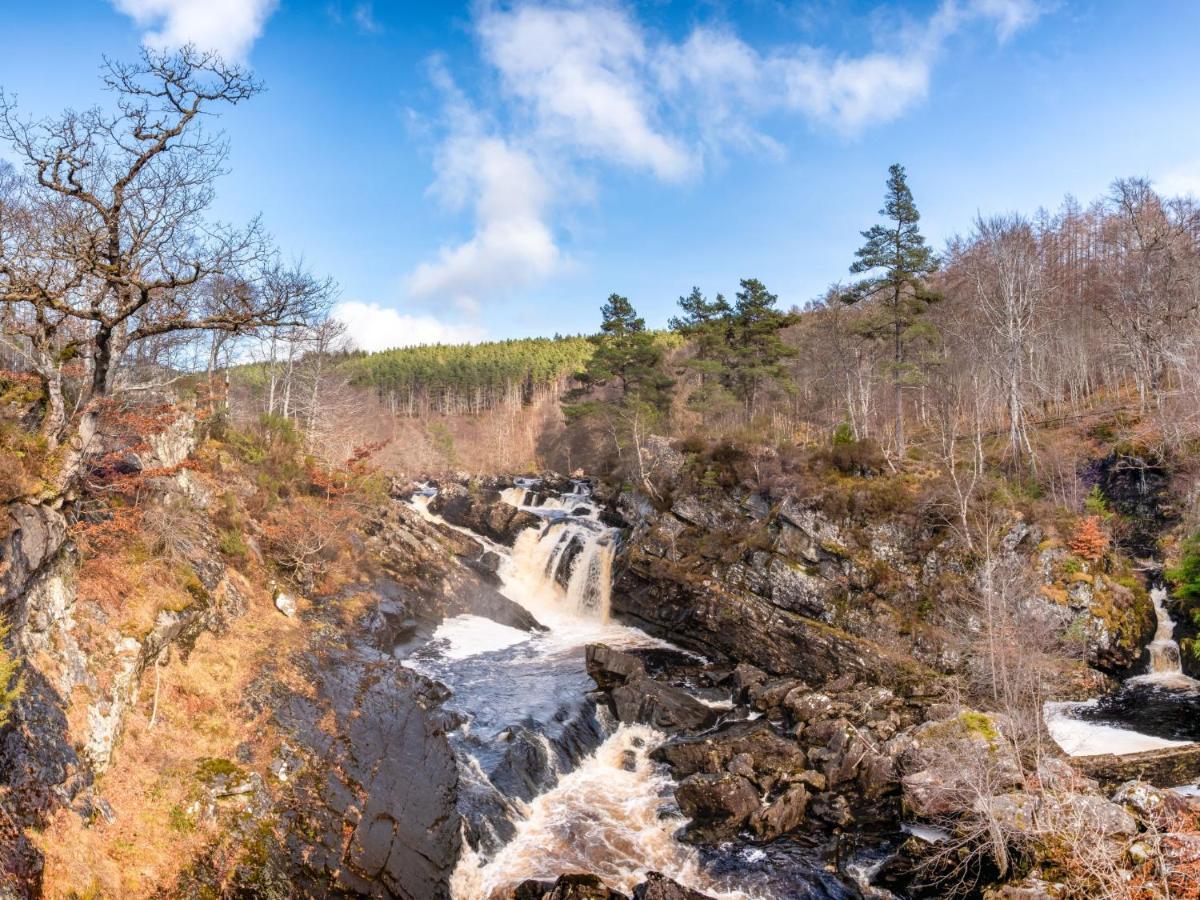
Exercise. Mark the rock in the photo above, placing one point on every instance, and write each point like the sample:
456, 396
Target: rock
1150, 804
644, 700
771, 756
635, 697
805, 705
483, 512
286, 604
832, 809
743, 677
567, 887
611, 668
769, 694
1104, 818
784, 814
718, 805
742, 764
660, 887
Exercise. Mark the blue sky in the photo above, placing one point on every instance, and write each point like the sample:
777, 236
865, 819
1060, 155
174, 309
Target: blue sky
497, 169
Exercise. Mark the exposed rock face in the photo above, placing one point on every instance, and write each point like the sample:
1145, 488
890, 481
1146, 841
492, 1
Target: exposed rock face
374, 811
32, 537
483, 512
739, 581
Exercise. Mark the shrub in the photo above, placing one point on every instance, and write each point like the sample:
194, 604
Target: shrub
1089, 541
12, 682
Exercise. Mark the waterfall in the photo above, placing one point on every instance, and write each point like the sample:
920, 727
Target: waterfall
567, 567
1164, 652
567, 563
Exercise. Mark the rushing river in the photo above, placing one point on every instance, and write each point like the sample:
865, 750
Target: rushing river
551, 783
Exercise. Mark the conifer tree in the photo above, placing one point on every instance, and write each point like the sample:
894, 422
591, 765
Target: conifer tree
897, 251
738, 347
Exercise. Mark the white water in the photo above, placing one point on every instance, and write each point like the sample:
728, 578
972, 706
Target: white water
1080, 737
606, 818
607, 815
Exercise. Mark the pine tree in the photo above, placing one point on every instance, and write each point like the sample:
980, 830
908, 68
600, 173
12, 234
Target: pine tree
737, 348
627, 354
898, 250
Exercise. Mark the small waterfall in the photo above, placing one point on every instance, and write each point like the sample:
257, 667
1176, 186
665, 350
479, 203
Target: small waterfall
1164, 652
567, 567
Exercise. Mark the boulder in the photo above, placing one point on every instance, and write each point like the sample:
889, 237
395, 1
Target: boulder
635, 697
611, 668
771, 756
785, 813
718, 805
643, 700
659, 887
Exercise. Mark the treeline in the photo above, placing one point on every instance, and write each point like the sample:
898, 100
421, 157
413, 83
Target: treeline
1022, 321
468, 379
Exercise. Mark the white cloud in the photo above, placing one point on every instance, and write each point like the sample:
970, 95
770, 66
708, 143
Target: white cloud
229, 27
581, 73
581, 82
1181, 181
373, 327
512, 245
1010, 16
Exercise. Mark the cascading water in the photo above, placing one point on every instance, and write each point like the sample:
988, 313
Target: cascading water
1165, 664
548, 784
1151, 711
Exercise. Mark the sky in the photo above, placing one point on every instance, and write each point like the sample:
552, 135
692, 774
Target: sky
469, 171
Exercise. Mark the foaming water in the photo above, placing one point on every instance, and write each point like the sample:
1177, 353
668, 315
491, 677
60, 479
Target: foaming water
1080, 737
611, 816
1152, 711
548, 782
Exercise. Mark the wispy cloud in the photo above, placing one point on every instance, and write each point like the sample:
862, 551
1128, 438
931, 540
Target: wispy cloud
502, 183
372, 327
584, 87
228, 27
580, 73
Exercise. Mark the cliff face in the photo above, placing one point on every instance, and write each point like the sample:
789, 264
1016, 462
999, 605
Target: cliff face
231, 735
796, 590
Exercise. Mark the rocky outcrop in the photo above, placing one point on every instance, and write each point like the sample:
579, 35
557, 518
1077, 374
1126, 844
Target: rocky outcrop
483, 511
373, 812
742, 581
1168, 767
635, 697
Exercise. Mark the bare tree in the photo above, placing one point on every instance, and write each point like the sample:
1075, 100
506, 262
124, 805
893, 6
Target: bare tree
104, 239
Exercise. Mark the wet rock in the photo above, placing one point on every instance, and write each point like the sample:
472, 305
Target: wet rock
611, 668
659, 887
783, 814
526, 769
376, 813
718, 805
483, 512
567, 887
642, 699
635, 697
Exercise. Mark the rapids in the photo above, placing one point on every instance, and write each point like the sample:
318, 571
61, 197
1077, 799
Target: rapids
549, 784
